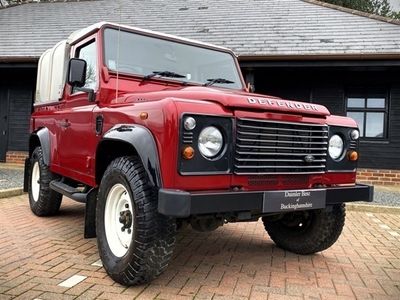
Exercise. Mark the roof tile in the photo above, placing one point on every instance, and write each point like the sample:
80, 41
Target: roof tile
248, 27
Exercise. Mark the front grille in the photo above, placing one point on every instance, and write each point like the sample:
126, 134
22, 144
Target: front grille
271, 147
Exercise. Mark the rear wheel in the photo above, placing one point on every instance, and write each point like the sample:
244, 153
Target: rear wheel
42, 200
307, 232
135, 242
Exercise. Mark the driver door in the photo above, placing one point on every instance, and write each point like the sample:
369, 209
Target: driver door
77, 136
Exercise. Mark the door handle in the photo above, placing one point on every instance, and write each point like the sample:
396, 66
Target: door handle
65, 123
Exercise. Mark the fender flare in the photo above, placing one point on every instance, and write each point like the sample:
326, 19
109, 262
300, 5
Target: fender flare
142, 140
43, 135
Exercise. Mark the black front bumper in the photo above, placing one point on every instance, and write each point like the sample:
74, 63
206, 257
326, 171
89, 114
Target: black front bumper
177, 203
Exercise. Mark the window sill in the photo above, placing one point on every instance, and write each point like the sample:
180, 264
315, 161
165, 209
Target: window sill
383, 141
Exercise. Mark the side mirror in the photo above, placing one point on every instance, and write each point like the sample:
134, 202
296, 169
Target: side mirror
77, 72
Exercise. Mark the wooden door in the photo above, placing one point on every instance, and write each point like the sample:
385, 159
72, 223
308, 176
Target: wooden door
3, 122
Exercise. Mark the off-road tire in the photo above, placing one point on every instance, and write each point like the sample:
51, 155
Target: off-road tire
48, 201
318, 233
153, 237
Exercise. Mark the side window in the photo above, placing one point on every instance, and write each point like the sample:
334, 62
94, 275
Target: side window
89, 54
370, 110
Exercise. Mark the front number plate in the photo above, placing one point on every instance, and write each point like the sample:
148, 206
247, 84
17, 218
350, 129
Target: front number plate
285, 201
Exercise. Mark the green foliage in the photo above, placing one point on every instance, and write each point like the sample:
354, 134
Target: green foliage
377, 7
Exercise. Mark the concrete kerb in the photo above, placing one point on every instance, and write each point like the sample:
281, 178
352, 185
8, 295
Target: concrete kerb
373, 208
6, 193
11, 166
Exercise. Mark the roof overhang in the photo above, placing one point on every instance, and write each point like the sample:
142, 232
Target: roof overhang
19, 59
308, 57
393, 57
319, 63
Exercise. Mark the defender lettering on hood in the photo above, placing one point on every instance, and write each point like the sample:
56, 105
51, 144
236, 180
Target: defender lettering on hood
282, 103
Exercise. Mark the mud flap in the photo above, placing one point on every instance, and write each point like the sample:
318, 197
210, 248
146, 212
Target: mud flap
26, 173
90, 214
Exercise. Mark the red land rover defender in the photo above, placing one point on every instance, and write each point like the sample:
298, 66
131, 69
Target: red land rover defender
153, 131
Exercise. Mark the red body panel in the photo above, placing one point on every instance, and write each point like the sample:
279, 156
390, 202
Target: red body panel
71, 123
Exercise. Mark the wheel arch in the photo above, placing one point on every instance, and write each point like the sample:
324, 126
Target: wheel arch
41, 137
129, 140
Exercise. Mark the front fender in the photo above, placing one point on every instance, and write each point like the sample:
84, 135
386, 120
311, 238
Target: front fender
41, 137
142, 140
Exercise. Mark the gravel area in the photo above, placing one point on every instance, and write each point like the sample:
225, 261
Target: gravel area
11, 178
389, 196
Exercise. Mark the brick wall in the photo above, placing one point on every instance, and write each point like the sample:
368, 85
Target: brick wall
380, 177
16, 157
368, 176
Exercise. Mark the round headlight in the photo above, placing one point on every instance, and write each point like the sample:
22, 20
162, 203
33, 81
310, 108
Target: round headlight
210, 141
354, 134
335, 147
189, 123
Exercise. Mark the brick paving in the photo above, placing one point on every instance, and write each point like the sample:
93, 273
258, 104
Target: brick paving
238, 261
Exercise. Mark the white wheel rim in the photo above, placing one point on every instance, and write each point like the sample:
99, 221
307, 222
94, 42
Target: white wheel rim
118, 232
35, 181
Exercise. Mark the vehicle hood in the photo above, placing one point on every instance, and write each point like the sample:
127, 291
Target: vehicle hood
233, 99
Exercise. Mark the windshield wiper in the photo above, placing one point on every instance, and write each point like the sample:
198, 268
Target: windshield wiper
164, 74
212, 81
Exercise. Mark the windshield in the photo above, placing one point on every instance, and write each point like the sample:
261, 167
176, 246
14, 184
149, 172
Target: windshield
144, 55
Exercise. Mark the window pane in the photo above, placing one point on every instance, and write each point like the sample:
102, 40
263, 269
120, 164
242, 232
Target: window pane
376, 102
355, 102
89, 54
143, 55
359, 118
375, 125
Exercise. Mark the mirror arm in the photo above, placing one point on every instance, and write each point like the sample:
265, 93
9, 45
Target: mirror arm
250, 88
91, 94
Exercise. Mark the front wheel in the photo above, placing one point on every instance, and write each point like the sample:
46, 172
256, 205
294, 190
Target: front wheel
135, 242
42, 200
307, 232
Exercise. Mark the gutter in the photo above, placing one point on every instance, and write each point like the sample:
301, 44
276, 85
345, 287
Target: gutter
265, 57
321, 56
19, 59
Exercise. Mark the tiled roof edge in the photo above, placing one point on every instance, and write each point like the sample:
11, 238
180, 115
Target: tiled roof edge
10, 5
25, 3
354, 12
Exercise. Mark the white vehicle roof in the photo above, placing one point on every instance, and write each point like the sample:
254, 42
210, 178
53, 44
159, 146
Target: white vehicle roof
52, 71
53, 63
75, 36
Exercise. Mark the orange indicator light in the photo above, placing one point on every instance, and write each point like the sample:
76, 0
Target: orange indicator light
352, 155
188, 152
144, 115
